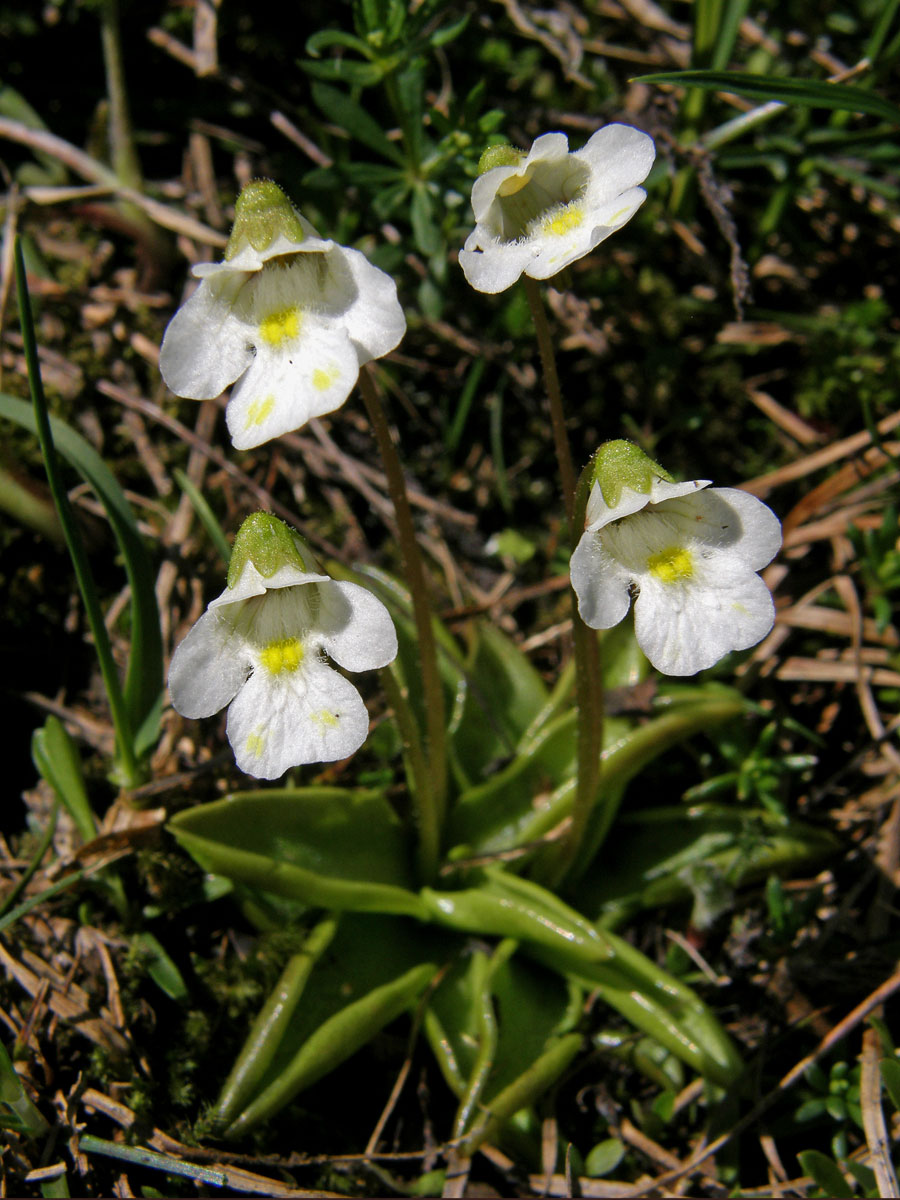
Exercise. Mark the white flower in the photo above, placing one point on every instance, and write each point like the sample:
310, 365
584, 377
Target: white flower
691, 558
548, 208
288, 315
260, 648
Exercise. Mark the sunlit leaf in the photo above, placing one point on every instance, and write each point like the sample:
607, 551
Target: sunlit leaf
324, 846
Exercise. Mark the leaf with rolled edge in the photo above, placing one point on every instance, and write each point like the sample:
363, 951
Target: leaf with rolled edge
808, 93
651, 999
533, 793
373, 970
144, 676
498, 1027
502, 696
655, 847
327, 847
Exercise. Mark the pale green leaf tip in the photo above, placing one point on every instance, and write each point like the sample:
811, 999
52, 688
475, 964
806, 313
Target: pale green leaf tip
262, 212
269, 544
500, 156
620, 464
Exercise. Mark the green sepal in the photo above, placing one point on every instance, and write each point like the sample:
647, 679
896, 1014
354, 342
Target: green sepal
262, 212
500, 156
270, 544
327, 847
620, 464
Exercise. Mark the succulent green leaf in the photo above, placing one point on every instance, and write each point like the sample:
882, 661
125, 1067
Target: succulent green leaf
656, 849
374, 969
326, 847
501, 697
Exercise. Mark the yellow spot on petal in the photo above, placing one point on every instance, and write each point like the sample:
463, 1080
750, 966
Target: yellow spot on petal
671, 565
258, 411
284, 655
563, 221
256, 743
281, 326
324, 377
326, 718
510, 186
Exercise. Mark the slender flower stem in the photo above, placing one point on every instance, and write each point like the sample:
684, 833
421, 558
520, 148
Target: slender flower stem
554, 395
124, 156
420, 786
589, 700
588, 678
415, 578
127, 761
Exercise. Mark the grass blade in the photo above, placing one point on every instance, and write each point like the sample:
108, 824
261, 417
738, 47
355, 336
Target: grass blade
807, 93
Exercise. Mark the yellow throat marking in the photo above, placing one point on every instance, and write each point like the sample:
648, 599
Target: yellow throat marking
280, 327
671, 565
563, 221
284, 655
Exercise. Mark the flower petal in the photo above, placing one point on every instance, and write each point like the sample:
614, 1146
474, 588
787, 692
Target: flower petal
759, 539
305, 716
355, 628
686, 629
205, 347
619, 157
497, 266
600, 514
252, 583
208, 668
601, 584
287, 386
374, 320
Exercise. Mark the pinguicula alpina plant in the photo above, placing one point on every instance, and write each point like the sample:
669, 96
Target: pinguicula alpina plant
466, 881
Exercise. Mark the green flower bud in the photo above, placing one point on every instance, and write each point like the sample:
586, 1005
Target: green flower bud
269, 544
261, 213
500, 156
621, 464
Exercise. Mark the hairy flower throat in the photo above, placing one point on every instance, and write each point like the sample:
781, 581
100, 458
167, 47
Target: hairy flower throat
671, 565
